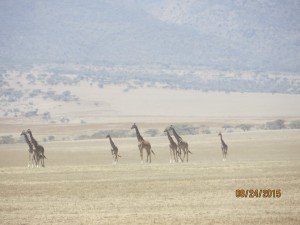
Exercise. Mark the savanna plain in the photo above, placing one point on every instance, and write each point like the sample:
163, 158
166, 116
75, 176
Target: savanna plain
80, 185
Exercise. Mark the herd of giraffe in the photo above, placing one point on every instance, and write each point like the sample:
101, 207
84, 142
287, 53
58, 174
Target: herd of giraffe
176, 149
179, 152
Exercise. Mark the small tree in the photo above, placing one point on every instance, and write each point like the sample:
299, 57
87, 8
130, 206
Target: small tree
275, 125
244, 127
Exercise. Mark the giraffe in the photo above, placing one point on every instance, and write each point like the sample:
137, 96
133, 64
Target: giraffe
39, 149
31, 150
114, 150
182, 145
143, 144
224, 147
173, 148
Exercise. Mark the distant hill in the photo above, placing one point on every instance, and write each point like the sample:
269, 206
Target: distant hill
235, 35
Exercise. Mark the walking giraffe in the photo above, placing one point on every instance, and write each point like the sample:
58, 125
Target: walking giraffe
39, 149
224, 147
174, 154
114, 150
182, 145
143, 144
31, 150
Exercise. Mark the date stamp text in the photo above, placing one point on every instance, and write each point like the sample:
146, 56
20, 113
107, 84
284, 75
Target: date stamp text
258, 193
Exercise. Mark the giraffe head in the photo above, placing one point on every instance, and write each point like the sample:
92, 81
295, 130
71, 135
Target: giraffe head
133, 126
220, 134
108, 136
23, 132
28, 131
166, 130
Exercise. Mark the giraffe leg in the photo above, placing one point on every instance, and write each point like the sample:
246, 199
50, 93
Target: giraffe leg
149, 153
35, 159
179, 154
187, 156
28, 164
184, 155
32, 159
147, 156
174, 156
181, 151
141, 154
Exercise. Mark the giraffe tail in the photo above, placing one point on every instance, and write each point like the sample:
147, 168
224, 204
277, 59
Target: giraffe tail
190, 152
119, 156
152, 152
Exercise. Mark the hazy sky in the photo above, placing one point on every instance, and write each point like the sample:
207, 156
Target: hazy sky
248, 35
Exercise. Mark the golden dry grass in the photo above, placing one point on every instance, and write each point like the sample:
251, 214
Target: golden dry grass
80, 185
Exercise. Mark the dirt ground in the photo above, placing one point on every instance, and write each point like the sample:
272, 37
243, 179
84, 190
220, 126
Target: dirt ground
79, 184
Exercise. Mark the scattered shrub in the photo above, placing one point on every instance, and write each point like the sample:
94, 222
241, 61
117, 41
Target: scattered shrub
51, 138
64, 120
294, 124
102, 134
46, 116
206, 131
7, 139
152, 132
275, 125
244, 127
31, 113
185, 129
227, 126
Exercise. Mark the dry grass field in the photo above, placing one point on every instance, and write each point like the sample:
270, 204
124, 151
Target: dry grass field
79, 184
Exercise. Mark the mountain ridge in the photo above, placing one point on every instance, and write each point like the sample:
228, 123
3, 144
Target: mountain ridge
261, 35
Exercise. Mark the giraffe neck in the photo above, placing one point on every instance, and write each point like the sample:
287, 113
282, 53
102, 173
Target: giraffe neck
170, 138
178, 138
27, 141
222, 141
34, 142
112, 143
138, 135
